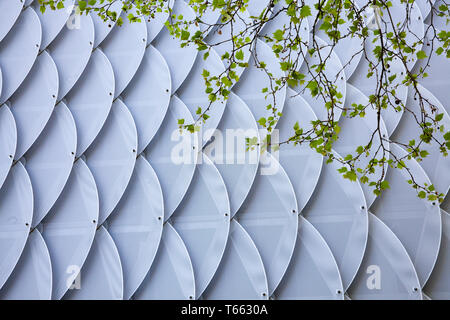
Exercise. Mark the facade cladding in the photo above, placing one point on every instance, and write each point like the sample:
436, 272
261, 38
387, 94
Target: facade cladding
103, 197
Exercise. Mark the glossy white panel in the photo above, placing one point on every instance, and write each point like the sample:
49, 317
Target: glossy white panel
436, 165
136, 225
8, 141
32, 276
365, 127
228, 150
91, 98
270, 216
313, 273
173, 154
387, 272
52, 155
103, 28
16, 212
9, 12
69, 228
338, 210
33, 104
193, 93
302, 164
220, 38
169, 46
241, 274
18, 51
369, 85
53, 21
101, 276
171, 275
203, 220
71, 51
112, 156
333, 75
156, 23
148, 96
416, 222
125, 48
253, 80
438, 285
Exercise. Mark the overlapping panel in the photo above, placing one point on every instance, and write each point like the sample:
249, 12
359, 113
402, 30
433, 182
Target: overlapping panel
32, 277
52, 155
69, 228
338, 211
171, 275
203, 221
101, 277
416, 222
16, 211
136, 225
387, 271
124, 204
173, 154
18, 50
270, 216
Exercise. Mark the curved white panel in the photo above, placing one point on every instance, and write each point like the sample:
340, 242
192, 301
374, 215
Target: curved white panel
282, 21
193, 94
33, 104
369, 85
71, 51
313, 272
136, 225
32, 276
125, 48
52, 155
255, 8
425, 7
169, 46
209, 18
365, 127
270, 216
171, 275
69, 228
112, 156
386, 271
91, 98
9, 12
254, 80
416, 222
399, 19
203, 221
8, 141
237, 165
241, 274
333, 74
101, 276
156, 23
18, 51
103, 28
349, 48
338, 210
436, 165
173, 154
439, 22
438, 285
438, 67
301, 163
16, 212
148, 96
53, 21
221, 41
